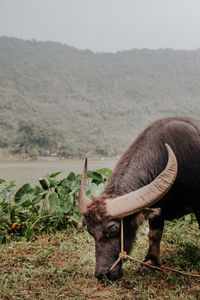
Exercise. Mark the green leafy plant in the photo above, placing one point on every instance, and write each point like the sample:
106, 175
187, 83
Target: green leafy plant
49, 206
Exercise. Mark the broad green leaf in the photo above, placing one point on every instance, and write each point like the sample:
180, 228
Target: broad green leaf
44, 183
96, 177
54, 174
105, 171
71, 176
93, 190
26, 203
66, 204
37, 190
53, 183
2, 180
59, 212
25, 189
36, 199
12, 183
100, 188
53, 200
72, 184
76, 218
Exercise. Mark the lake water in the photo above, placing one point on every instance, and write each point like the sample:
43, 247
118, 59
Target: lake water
30, 171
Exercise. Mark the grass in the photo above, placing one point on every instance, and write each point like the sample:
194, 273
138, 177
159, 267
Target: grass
60, 266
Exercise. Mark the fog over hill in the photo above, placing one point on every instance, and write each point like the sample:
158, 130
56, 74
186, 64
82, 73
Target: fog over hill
57, 99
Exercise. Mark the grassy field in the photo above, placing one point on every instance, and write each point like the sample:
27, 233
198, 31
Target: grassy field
60, 266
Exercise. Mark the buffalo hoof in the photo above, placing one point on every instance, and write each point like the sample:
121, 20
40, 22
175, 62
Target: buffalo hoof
147, 269
143, 269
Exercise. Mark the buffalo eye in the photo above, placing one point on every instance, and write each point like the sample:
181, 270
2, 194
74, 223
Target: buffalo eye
112, 229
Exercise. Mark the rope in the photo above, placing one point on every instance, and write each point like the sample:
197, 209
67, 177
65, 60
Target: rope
123, 255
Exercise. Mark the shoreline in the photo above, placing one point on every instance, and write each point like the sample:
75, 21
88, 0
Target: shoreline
16, 158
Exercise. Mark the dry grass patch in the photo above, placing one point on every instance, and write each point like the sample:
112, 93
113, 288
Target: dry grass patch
60, 266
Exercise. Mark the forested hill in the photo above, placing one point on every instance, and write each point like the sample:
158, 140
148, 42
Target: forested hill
55, 98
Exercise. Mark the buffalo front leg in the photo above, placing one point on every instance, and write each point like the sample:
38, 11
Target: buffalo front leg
155, 234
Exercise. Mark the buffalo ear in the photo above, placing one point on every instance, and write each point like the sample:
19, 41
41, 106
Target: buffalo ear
150, 213
147, 213
139, 218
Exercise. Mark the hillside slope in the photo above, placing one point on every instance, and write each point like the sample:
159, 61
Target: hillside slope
92, 102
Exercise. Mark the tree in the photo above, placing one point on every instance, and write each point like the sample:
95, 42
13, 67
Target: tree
37, 139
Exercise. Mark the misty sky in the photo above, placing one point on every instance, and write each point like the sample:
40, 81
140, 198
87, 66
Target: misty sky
104, 25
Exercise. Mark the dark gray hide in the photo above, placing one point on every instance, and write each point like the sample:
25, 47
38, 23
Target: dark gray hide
139, 165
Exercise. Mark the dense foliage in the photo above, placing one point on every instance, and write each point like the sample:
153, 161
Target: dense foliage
57, 100
47, 207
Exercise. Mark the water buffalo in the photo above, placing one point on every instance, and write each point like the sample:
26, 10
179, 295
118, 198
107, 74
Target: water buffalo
145, 184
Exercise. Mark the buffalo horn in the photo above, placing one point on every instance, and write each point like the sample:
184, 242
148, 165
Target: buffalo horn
146, 196
83, 201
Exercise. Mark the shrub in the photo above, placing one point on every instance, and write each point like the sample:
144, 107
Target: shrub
49, 206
